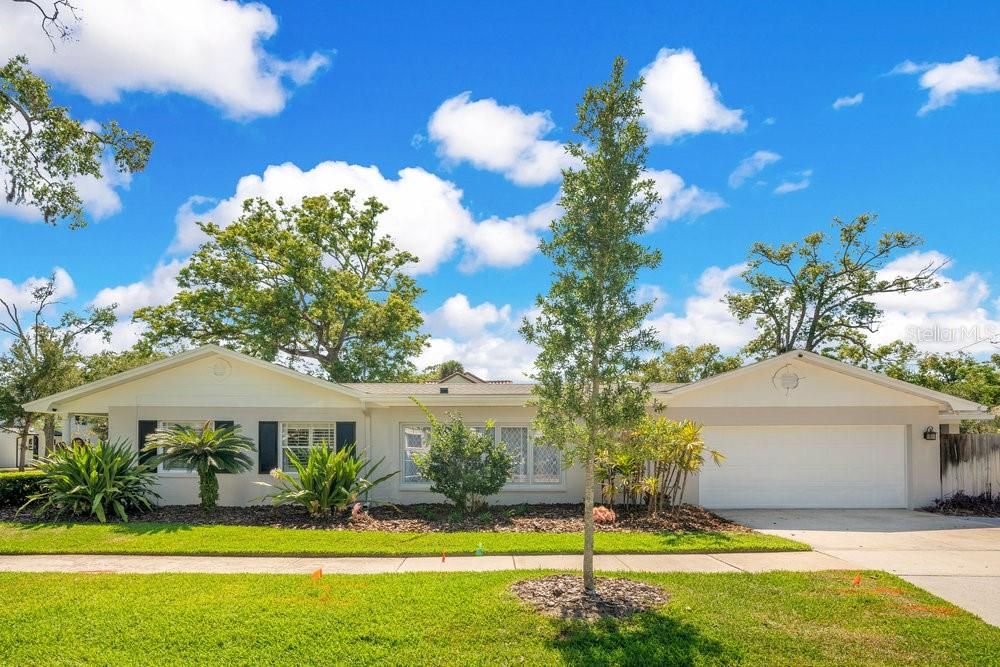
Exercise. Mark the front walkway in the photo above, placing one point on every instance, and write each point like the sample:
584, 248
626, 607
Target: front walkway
744, 562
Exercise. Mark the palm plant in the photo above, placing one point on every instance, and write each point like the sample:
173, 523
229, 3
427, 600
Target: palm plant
206, 450
327, 480
94, 479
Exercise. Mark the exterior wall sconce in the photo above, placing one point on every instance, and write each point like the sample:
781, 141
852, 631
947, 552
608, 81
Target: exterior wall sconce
930, 433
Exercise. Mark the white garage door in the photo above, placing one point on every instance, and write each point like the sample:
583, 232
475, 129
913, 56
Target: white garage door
805, 466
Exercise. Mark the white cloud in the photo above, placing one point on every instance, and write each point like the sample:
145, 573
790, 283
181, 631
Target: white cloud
705, 317
19, 294
425, 215
947, 319
678, 201
208, 49
498, 138
848, 101
652, 294
457, 315
751, 166
946, 81
801, 183
679, 100
507, 242
483, 337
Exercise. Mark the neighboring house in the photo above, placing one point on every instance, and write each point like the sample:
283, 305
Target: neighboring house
798, 430
9, 445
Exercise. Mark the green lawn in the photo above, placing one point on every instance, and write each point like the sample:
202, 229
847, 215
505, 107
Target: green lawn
472, 619
183, 539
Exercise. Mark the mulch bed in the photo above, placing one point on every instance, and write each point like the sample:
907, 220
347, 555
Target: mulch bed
555, 518
563, 596
963, 505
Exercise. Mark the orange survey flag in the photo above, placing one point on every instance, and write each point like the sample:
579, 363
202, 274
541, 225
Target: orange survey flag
317, 574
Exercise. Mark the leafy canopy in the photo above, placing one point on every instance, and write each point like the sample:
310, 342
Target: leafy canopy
820, 292
689, 364
44, 151
590, 326
313, 281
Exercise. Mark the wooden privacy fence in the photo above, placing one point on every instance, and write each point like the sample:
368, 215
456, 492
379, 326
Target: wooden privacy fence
970, 464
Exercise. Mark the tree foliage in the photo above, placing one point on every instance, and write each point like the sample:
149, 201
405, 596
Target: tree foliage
44, 151
820, 292
689, 364
313, 281
590, 327
43, 357
959, 374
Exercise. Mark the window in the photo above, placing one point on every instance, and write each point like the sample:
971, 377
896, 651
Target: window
532, 464
299, 438
197, 425
416, 440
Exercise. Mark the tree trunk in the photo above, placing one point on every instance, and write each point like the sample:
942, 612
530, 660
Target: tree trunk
22, 445
50, 434
588, 525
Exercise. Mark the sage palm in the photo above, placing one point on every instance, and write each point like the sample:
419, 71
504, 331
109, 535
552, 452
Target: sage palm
206, 450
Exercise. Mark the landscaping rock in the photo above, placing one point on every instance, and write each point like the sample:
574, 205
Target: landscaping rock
563, 596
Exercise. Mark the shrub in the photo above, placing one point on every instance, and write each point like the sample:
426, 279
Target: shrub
327, 480
16, 487
94, 480
208, 451
463, 465
677, 451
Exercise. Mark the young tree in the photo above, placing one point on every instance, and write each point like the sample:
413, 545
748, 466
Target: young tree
43, 150
819, 292
589, 327
689, 364
313, 281
43, 358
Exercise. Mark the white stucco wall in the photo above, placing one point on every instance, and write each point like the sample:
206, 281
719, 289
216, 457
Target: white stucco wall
247, 394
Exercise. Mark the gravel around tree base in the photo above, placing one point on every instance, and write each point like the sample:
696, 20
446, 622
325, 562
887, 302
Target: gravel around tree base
563, 596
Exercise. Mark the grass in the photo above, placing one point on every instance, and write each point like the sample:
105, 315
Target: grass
184, 539
472, 619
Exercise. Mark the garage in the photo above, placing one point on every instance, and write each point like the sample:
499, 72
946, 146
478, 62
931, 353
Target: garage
805, 466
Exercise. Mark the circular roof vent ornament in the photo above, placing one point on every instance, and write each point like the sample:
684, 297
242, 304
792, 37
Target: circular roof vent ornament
786, 379
221, 369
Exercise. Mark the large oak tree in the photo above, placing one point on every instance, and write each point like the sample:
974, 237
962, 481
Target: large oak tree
314, 282
819, 293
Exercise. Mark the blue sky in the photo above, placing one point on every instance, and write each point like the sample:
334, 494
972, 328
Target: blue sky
371, 96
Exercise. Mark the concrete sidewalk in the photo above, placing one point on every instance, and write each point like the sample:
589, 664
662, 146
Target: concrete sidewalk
739, 562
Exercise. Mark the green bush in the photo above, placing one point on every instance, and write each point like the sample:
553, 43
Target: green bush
327, 480
94, 480
15, 487
463, 465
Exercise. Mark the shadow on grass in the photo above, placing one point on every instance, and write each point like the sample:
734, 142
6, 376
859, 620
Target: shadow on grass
643, 639
138, 528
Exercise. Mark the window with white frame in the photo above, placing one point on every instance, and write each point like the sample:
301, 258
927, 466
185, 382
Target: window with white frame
197, 425
532, 464
299, 437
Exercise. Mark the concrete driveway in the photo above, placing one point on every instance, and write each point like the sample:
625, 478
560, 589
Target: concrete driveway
955, 558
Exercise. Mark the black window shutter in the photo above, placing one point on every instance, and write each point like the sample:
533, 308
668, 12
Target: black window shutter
346, 435
224, 423
146, 428
267, 447
34, 445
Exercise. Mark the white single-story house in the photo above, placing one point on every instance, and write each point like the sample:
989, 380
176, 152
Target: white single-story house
798, 430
